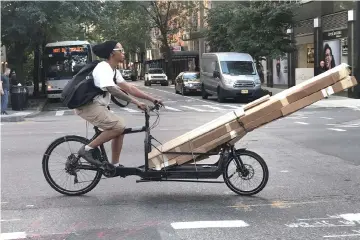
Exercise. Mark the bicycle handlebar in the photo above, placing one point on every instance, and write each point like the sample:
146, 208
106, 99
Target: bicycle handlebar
156, 106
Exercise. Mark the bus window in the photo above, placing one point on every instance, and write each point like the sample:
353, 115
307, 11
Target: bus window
63, 62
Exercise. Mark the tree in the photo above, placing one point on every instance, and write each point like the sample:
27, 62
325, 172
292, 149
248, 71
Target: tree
169, 17
124, 22
258, 28
26, 27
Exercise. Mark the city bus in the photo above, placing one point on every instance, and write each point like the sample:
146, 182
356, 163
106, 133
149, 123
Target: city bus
62, 60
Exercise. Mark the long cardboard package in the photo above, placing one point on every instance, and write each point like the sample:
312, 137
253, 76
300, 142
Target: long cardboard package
234, 125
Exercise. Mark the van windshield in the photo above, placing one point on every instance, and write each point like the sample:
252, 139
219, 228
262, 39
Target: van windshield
237, 68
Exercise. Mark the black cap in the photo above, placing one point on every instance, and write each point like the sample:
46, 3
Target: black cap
103, 50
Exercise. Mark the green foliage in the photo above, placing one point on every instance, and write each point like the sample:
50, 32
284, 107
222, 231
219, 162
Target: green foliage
28, 24
124, 22
258, 27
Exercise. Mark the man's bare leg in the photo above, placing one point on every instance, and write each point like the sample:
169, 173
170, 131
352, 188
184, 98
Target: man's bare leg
104, 137
116, 146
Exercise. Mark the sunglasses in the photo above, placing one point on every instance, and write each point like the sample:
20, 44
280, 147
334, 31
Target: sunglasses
119, 49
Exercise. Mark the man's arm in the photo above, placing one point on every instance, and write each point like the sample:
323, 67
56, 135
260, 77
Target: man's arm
135, 91
116, 91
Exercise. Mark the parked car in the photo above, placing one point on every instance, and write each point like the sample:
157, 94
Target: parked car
156, 76
188, 82
229, 75
126, 74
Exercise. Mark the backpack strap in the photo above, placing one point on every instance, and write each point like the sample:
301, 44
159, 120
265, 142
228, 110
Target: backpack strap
115, 77
104, 94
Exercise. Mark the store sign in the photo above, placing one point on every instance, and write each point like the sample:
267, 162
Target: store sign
335, 34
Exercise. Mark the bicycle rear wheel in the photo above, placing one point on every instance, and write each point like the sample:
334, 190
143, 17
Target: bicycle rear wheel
231, 171
68, 164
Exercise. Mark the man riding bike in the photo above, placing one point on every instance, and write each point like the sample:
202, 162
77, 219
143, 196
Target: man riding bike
97, 113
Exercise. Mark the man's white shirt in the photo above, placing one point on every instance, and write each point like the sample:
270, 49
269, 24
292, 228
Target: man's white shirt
103, 75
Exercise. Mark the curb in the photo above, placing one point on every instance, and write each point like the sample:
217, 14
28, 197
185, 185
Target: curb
38, 110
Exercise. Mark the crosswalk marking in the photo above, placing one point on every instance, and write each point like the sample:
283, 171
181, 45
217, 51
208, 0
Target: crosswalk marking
197, 109
209, 224
232, 106
130, 110
303, 123
173, 109
59, 113
337, 129
13, 235
214, 107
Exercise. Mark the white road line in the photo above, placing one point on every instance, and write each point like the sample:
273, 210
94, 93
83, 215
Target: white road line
172, 93
328, 118
232, 106
29, 205
10, 220
303, 123
351, 217
173, 109
12, 235
339, 236
59, 113
284, 171
130, 110
197, 109
337, 129
209, 224
214, 107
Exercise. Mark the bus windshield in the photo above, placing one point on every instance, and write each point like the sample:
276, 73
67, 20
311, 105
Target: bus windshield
65, 61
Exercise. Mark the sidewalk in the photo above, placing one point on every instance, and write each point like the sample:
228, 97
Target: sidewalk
34, 108
334, 101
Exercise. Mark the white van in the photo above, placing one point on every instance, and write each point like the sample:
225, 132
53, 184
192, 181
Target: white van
229, 75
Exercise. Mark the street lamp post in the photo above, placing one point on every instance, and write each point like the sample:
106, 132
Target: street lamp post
317, 44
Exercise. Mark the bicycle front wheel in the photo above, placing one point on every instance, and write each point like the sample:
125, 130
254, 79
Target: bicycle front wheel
61, 156
249, 181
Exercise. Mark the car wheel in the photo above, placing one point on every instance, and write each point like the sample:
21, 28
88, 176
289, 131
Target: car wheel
204, 95
183, 91
220, 96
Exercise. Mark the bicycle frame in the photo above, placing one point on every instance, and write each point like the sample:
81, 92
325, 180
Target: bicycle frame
186, 171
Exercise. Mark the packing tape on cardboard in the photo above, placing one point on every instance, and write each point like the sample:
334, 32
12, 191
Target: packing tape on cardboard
329, 90
324, 92
241, 123
239, 112
233, 134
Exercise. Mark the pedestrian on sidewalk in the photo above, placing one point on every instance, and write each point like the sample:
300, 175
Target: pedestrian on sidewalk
5, 86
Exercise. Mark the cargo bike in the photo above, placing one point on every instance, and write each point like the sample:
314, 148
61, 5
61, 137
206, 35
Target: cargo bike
232, 164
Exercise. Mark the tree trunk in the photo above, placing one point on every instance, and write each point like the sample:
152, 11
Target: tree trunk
36, 75
19, 59
170, 64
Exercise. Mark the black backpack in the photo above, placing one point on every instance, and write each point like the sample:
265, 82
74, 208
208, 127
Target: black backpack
81, 89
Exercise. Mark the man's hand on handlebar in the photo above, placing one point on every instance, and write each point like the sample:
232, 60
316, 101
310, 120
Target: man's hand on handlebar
140, 105
159, 101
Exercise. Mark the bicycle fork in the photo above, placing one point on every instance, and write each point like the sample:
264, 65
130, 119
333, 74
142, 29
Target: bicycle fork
239, 163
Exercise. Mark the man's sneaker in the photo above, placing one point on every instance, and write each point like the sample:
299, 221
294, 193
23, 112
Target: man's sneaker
88, 156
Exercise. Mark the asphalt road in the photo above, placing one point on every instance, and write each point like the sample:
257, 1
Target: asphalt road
312, 193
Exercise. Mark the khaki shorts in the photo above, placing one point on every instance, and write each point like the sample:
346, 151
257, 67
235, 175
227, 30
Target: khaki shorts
99, 116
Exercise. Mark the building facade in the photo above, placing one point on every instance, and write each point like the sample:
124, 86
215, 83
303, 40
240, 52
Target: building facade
324, 31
